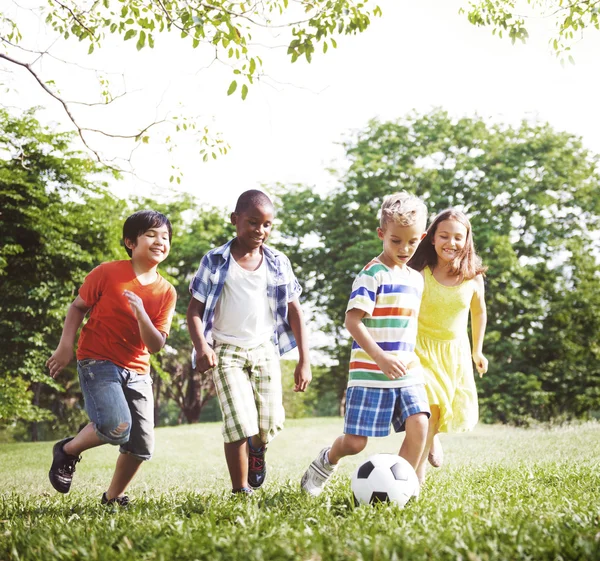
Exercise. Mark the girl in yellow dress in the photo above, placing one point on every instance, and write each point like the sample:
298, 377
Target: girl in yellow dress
453, 276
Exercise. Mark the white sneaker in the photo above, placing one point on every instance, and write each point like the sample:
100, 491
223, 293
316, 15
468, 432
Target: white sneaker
317, 474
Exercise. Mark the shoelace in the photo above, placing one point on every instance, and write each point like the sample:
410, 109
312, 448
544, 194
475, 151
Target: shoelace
69, 466
256, 463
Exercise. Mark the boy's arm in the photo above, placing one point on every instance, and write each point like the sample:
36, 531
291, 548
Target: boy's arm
206, 357
64, 352
152, 337
478, 323
302, 373
389, 364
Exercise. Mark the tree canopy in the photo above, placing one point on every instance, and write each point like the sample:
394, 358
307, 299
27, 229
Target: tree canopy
531, 195
236, 32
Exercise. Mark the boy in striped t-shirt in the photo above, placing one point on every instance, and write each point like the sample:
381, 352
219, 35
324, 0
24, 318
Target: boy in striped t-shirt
386, 385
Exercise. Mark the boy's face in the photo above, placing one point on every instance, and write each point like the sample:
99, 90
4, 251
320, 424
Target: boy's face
152, 246
253, 225
400, 242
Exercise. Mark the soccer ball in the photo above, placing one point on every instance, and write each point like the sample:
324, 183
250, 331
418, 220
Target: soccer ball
385, 478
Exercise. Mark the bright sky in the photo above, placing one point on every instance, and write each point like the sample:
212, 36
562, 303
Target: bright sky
419, 55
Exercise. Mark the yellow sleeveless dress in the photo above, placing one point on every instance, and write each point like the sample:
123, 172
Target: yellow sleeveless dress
445, 352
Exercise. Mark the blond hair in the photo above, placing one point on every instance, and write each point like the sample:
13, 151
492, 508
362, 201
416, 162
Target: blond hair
403, 209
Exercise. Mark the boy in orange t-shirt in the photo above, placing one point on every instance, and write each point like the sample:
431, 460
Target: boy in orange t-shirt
131, 307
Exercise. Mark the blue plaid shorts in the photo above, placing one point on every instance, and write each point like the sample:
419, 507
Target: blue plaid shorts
371, 411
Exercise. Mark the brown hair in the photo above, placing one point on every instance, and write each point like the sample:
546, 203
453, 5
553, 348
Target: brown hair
467, 263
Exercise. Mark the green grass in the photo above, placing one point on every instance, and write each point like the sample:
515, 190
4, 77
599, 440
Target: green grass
503, 493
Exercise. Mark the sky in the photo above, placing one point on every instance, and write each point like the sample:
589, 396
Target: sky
418, 56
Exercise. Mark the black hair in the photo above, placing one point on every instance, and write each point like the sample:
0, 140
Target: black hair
252, 198
140, 222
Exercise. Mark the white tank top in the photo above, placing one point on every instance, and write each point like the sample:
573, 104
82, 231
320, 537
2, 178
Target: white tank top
243, 316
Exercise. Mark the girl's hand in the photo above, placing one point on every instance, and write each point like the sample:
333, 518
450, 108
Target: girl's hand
481, 363
136, 303
59, 359
391, 366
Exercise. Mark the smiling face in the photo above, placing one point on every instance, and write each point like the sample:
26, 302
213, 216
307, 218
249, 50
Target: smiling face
449, 240
399, 242
152, 247
253, 225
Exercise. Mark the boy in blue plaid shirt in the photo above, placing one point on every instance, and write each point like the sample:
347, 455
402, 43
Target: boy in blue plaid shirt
244, 312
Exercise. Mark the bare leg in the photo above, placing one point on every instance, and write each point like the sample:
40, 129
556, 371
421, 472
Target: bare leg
414, 440
257, 443
346, 445
84, 440
431, 432
127, 467
236, 455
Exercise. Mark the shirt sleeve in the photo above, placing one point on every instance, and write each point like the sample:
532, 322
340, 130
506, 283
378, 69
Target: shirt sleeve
91, 289
293, 287
165, 316
200, 284
364, 293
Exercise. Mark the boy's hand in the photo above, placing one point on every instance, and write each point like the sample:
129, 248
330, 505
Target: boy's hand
391, 366
59, 359
136, 303
481, 363
205, 360
302, 377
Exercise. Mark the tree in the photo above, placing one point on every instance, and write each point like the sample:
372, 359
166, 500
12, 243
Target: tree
57, 221
531, 194
227, 28
505, 18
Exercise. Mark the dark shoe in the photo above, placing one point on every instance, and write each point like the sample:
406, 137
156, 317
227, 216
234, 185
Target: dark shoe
257, 466
242, 491
119, 501
63, 467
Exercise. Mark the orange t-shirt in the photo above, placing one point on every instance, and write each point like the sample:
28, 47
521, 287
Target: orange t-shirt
112, 332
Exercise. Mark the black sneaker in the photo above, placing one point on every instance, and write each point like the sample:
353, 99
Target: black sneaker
119, 501
245, 491
63, 467
257, 466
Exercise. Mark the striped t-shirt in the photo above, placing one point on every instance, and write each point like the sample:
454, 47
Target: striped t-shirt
390, 299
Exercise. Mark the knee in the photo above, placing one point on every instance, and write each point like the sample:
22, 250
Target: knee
418, 423
355, 444
115, 433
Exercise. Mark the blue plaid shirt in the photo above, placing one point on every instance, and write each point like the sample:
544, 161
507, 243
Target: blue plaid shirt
282, 288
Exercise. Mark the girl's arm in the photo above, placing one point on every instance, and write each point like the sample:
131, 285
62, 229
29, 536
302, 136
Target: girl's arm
478, 323
151, 337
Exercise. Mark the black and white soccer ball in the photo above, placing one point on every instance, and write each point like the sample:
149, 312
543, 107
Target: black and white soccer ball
385, 478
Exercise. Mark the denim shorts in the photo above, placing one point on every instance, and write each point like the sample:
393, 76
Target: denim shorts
371, 411
120, 403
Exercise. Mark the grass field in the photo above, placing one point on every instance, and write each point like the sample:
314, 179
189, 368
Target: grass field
503, 493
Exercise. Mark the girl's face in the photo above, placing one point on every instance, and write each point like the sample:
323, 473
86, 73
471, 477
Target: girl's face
449, 240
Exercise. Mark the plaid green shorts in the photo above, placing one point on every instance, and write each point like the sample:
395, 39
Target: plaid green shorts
248, 384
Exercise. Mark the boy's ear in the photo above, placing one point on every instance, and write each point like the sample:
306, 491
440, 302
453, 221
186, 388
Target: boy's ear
233, 218
129, 243
380, 233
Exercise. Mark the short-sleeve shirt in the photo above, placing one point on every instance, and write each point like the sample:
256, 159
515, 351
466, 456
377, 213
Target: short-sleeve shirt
112, 331
282, 288
391, 299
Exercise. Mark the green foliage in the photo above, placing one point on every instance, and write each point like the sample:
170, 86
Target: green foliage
505, 18
503, 494
226, 26
57, 222
531, 195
